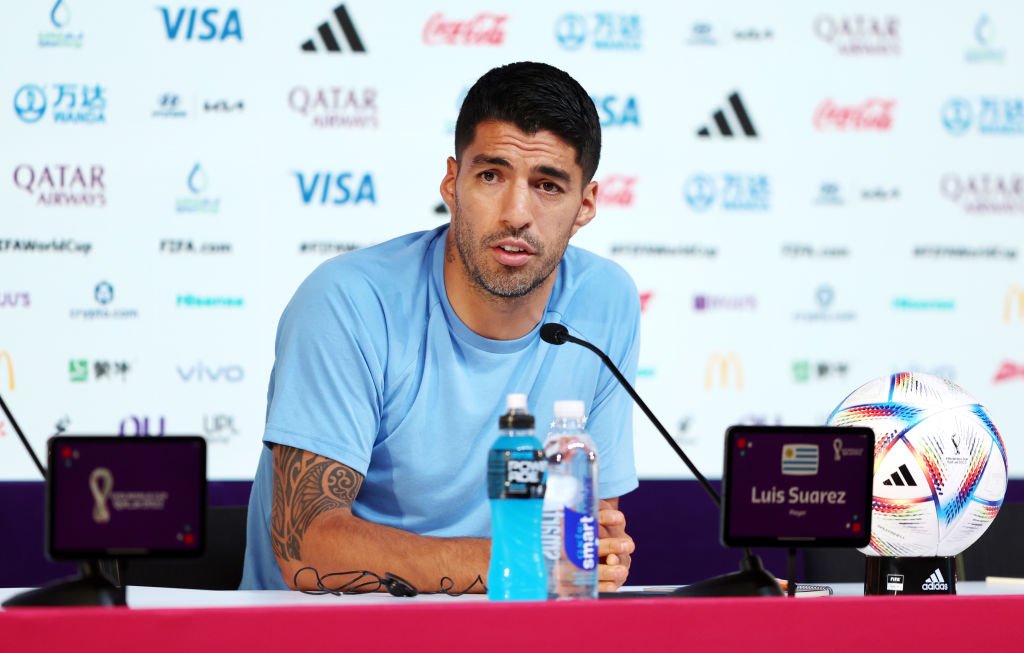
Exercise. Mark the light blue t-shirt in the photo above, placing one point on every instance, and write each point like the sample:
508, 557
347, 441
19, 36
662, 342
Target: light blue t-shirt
375, 370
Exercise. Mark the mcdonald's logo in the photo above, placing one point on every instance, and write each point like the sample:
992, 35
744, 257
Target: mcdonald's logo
5, 357
728, 366
1014, 294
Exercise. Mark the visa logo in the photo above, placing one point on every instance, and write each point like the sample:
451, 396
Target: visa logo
200, 373
201, 24
617, 112
336, 188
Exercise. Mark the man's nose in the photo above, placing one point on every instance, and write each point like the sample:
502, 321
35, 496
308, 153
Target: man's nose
516, 211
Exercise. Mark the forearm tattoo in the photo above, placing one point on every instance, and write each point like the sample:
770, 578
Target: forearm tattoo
306, 486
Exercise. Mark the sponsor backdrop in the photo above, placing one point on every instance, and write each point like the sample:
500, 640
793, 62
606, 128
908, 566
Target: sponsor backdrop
808, 196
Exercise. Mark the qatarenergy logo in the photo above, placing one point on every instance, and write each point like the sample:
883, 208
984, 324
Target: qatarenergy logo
54, 246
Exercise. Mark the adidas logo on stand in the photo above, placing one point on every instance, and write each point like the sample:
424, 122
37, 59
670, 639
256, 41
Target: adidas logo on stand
935, 582
899, 476
330, 43
723, 125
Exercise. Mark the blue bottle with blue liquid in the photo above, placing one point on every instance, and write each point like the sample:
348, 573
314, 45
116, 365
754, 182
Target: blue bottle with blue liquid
516, 474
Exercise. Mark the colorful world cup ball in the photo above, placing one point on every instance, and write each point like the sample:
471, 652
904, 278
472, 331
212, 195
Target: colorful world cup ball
940, 464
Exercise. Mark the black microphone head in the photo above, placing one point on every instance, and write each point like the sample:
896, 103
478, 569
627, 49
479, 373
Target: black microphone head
553, 333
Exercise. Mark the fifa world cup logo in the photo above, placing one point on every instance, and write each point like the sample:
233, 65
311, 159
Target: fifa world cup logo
956, 445
101, 483
837, 447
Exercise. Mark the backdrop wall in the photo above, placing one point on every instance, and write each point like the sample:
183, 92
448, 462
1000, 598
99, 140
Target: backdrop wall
808, 196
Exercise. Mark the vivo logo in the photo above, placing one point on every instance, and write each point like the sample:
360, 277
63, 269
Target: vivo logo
201, 24
336, 188
201, 373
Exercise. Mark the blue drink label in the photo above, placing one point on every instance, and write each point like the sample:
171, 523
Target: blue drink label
516, 474
581, 539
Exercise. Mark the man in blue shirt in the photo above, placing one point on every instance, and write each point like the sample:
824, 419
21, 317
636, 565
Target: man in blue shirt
393, 362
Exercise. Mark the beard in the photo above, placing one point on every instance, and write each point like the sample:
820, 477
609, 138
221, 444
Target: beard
494, 278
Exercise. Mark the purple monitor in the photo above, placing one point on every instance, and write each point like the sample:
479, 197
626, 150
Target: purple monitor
113, 497
797, 486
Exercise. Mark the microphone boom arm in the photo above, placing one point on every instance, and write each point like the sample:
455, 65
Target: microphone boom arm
565, 336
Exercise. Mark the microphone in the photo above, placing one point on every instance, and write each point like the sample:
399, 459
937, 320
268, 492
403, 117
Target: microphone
753, 579
557, 334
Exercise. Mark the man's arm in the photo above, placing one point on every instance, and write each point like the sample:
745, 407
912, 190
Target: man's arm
312, 525
614, 546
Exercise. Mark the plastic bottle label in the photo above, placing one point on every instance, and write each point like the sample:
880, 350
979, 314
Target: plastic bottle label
516, 475
581, 539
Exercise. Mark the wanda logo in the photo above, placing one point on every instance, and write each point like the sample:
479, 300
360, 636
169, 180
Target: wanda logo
873, 114
616, 190
483, 29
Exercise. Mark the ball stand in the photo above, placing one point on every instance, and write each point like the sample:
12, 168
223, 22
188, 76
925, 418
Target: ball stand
919, 576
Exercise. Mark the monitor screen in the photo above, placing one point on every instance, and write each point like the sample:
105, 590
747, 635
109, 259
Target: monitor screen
120, 497
797, 486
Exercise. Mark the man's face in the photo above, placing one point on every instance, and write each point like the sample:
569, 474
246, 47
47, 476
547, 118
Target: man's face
516, 200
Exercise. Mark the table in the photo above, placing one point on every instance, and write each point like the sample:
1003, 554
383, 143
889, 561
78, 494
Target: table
160, 619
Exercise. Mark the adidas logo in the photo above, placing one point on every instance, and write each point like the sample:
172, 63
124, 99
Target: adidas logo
901, 477
723, 126
935, 582
348, 31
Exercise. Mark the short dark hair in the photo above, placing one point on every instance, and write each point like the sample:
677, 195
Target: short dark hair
534, 97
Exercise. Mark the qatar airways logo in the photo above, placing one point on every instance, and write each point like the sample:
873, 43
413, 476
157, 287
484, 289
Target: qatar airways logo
484, 29
616, 190
984, 193
858, 35
336, 106
62, 184
873, 114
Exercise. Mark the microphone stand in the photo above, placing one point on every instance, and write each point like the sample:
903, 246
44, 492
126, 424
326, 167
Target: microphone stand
752, 579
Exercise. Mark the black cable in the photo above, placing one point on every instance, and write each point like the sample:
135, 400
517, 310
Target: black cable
447, 589
24, 441
791, 585
364, 582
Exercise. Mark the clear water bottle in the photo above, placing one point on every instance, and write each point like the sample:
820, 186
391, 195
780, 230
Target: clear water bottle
570, 528
515, 485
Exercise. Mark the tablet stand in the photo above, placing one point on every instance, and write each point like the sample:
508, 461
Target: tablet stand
90, 587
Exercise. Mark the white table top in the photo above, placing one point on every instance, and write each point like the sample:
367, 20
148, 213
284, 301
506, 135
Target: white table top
165, 597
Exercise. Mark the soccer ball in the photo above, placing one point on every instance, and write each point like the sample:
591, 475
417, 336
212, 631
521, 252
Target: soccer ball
940, 464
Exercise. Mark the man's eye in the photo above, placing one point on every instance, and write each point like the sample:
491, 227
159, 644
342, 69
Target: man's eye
550, 187
488, 175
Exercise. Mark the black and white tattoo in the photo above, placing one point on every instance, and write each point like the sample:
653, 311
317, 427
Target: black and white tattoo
306, 486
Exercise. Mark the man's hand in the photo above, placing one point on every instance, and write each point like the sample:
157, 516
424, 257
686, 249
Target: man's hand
614, 546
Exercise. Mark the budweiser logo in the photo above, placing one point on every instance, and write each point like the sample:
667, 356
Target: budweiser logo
1008, 371
483, 29
616, 190
645, 300
873, 114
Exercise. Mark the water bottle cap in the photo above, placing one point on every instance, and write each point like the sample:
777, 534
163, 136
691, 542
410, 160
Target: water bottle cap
516, 417
569, 409
516, 401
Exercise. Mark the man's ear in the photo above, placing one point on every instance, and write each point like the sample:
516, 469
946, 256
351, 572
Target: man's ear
448, 184
588, 207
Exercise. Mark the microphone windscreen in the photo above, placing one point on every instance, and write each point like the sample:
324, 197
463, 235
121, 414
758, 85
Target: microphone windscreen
553, 333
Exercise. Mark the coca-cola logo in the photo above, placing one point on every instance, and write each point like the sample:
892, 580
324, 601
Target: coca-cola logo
616, 190
873, 114
483, 29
